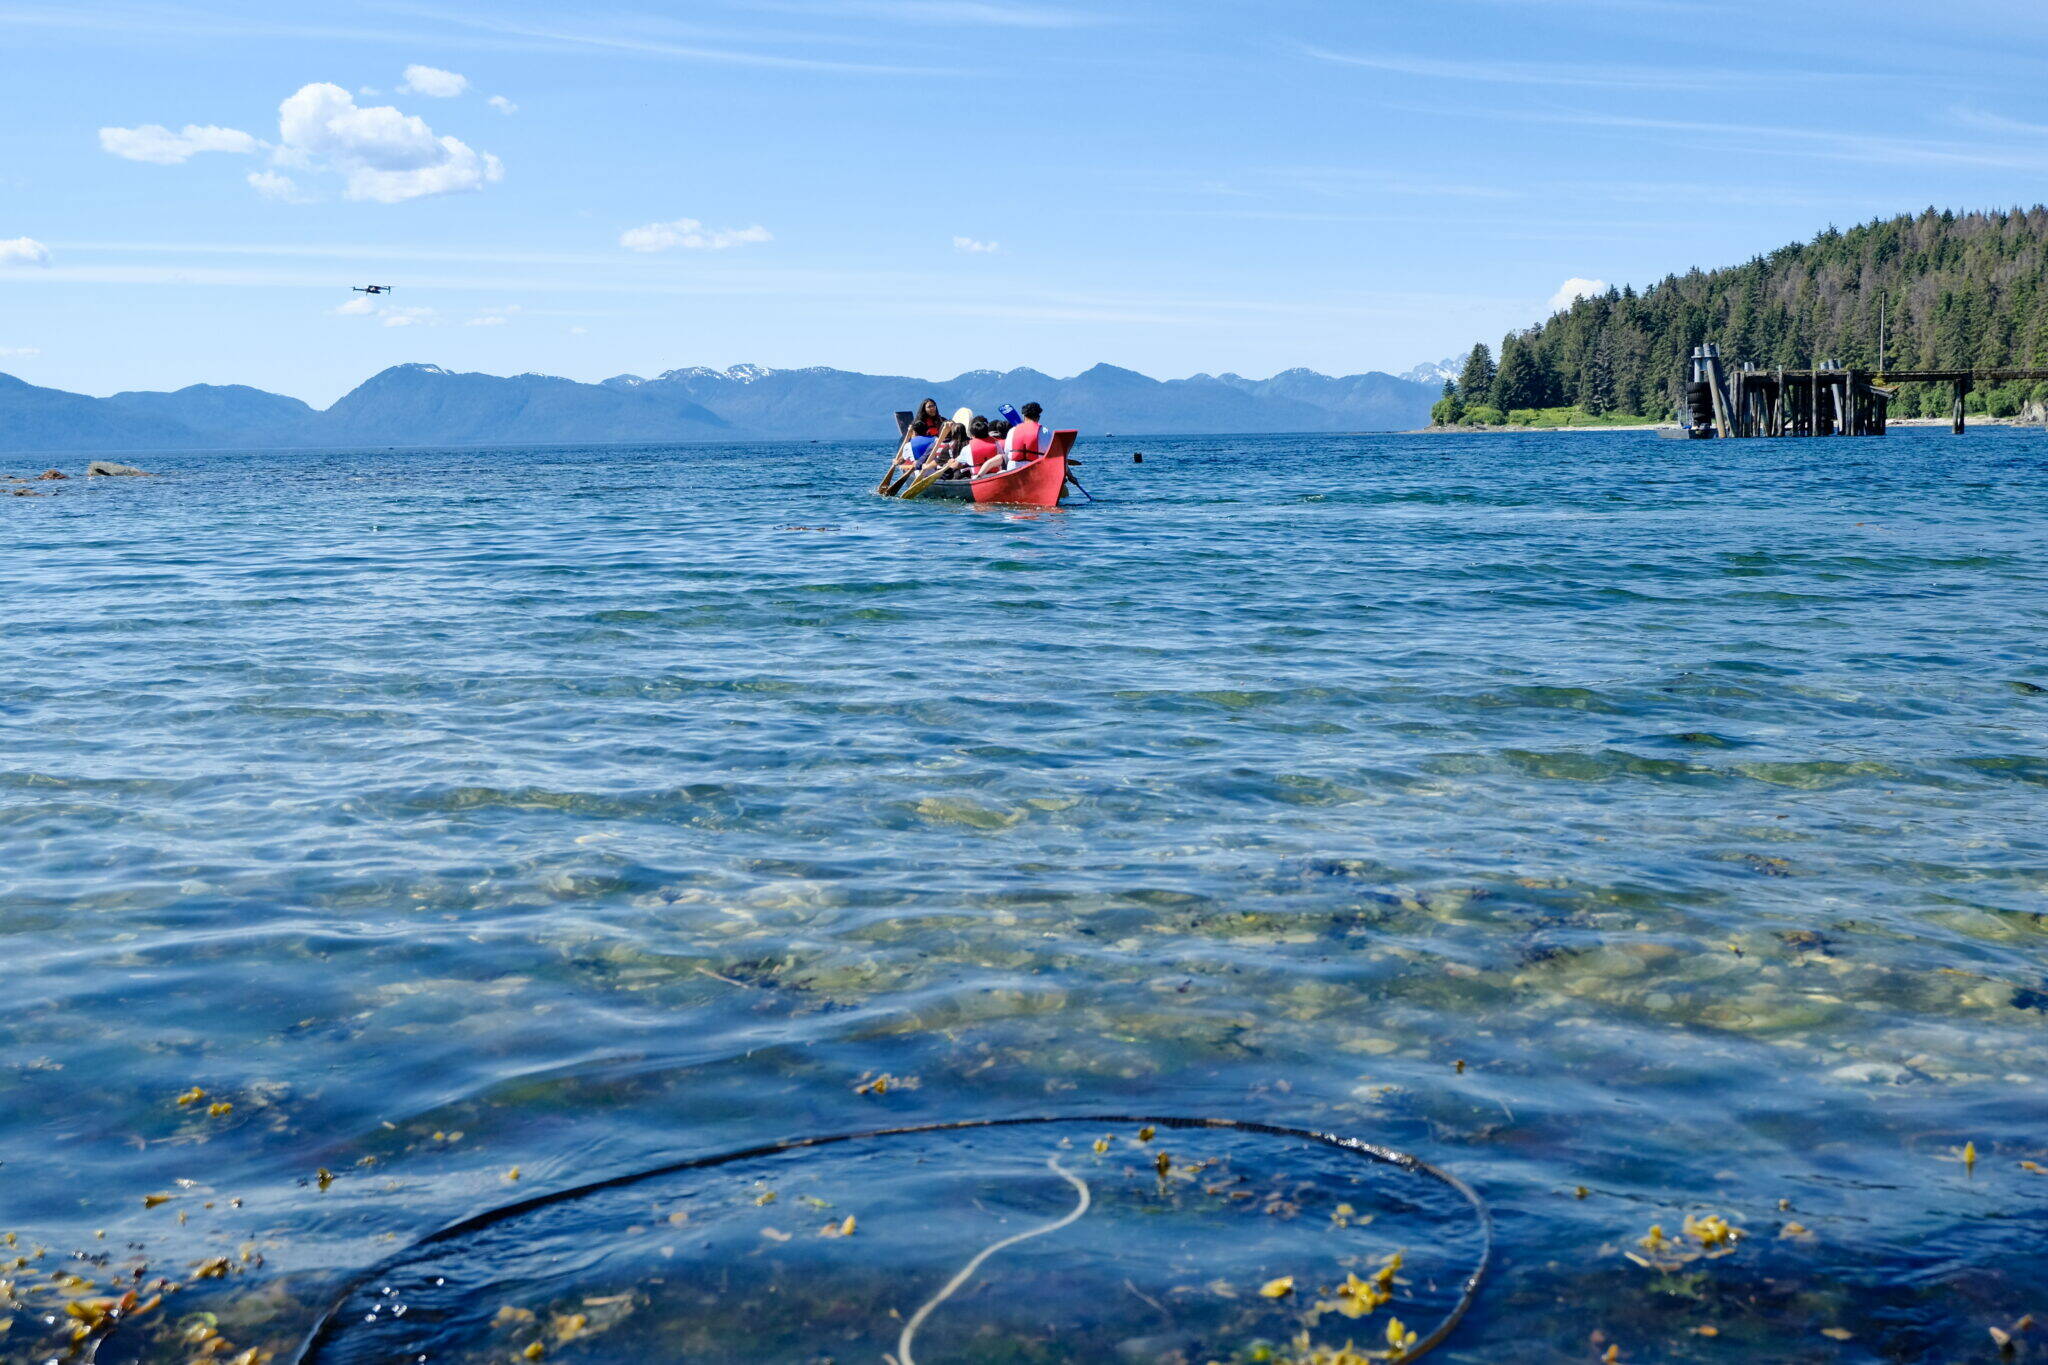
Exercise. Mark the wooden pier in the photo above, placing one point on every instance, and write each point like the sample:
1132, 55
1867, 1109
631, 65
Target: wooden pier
1826, 400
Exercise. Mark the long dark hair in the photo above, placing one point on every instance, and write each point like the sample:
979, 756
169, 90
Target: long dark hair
928, 418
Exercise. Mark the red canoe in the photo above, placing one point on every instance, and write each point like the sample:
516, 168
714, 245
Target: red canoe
1038, 484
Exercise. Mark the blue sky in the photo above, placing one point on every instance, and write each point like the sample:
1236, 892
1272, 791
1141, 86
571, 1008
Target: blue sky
187, 191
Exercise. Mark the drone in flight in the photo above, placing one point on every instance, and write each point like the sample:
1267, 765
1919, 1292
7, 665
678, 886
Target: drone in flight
370, 289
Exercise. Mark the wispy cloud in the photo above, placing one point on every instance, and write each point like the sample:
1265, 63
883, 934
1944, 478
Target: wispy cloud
1767, 139
690, 235
282, 188
1349, 182
1813, 142
130, 21
433, 82
988, 13
1535, 73
647, 41
412, 25
154, 143
812, 286
1997, 123
968, 246
1666, 6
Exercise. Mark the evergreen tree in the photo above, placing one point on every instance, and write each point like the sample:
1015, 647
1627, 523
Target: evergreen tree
1960, 290
1596, 380
1448, 409
1475, 381
1519, 381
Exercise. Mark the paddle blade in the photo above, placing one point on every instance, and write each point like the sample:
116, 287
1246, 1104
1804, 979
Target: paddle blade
922, 482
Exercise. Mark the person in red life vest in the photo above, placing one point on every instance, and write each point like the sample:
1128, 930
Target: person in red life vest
1027, 438
984, 455
928, 421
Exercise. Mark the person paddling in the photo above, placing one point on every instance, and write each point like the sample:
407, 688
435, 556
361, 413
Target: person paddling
952, 437
920, 436
984, 455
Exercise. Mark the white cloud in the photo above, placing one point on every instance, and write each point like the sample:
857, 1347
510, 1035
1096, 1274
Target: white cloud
1574, 289
23, 251
388, 315
489, 320
689, 234
974, 248
383, 155
431, 80
20, 352
578, 331
387, 157
154, 143
502, 105
282, 188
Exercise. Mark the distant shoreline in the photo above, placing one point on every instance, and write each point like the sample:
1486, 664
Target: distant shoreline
1510, 429
1513, 430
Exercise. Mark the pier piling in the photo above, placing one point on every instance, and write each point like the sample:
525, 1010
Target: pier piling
1827, 399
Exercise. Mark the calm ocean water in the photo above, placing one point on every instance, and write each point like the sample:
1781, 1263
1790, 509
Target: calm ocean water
572, 810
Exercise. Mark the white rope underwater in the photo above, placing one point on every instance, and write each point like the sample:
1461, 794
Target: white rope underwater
324, 1342
966, 1272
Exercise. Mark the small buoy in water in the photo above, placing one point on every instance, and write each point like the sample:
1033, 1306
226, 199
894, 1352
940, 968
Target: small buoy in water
1137, 457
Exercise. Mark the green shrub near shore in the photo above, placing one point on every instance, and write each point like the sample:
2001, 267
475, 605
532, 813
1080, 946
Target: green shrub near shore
1485, 416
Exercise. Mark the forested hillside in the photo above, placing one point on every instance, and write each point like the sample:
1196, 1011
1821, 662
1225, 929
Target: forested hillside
1958, 291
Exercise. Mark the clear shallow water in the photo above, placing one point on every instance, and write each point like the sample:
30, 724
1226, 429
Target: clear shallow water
577, 809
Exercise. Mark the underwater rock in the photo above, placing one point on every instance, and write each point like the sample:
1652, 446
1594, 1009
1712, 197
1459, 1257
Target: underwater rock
1164, 1349
109, 467
53, 474
1868, 1073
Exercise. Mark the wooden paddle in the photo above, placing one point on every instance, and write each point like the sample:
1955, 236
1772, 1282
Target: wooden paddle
924, 481
903, 432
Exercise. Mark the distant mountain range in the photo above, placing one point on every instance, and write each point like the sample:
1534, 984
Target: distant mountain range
425, 405
1435, 372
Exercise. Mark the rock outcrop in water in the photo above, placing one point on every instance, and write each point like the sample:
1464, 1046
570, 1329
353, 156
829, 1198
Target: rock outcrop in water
111, 467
